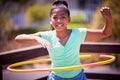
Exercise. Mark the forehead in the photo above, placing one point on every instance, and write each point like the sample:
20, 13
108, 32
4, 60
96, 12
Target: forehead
59, 11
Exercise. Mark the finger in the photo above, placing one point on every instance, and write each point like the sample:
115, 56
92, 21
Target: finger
47, 45
43, 43
105, 9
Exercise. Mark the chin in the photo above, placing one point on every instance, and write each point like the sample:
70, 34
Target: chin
60, 29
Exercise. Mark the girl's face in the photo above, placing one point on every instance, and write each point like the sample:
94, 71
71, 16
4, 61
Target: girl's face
59, 19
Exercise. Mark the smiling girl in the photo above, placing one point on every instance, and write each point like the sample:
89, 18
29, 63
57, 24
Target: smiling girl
63, 44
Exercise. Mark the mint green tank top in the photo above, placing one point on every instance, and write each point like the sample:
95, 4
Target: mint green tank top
67, 55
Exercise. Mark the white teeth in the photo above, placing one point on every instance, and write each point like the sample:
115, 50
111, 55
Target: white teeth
60, 25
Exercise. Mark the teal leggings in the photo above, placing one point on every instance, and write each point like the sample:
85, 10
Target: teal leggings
80, 76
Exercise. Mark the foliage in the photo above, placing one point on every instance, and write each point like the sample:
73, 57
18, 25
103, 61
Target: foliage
71, 25
21, 31
6, 26
78, 17
115, 10
98, 22
37, 13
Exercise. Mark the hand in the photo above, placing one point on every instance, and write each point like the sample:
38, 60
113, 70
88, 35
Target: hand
105, 11
44, 43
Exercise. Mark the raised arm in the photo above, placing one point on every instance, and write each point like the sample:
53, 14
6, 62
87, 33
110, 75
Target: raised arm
94, 35
33, 38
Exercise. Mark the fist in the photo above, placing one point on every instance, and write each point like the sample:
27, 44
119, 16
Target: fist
105, 11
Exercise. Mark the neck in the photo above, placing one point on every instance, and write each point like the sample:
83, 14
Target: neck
62, 34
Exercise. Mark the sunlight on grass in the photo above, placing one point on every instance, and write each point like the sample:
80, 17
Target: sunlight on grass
70, 26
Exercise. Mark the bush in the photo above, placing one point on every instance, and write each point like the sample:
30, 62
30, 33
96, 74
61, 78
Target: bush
78, 17
115, 10
37, 13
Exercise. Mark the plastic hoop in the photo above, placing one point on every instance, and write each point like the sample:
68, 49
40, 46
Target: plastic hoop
11, 67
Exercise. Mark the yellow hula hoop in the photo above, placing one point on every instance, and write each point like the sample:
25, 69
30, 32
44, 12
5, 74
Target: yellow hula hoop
111, 59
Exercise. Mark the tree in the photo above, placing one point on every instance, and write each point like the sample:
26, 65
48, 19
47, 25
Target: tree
37, 13
6, 9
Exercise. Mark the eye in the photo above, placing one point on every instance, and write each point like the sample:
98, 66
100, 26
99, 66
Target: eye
54, 17
63, 17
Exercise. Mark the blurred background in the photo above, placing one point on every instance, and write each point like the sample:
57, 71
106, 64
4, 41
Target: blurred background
30, 16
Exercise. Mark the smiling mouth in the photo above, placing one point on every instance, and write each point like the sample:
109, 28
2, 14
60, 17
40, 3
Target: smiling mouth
60, 25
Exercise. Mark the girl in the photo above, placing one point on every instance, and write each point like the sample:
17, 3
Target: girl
63, 44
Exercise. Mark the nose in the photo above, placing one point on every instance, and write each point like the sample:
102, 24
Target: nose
58, 20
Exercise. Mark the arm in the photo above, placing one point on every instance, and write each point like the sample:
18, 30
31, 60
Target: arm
27, 38
33, 38
93, 35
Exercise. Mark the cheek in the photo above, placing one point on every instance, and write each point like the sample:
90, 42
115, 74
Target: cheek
51, 21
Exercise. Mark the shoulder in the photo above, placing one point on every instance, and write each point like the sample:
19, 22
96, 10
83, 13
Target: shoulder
80, 29
79, 34
41, 33
47, 32
50, 31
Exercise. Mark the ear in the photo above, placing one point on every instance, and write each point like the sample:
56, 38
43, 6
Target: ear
50, 21
69, 19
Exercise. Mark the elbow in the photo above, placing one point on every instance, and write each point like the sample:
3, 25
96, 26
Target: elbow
107, 34
19, 38
16, 38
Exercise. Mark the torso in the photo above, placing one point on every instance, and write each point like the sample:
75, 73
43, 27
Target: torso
65, 52
64, 40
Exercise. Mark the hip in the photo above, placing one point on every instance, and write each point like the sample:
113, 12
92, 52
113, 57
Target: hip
80, 76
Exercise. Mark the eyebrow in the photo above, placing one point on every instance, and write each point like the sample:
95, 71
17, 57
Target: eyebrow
63, 14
